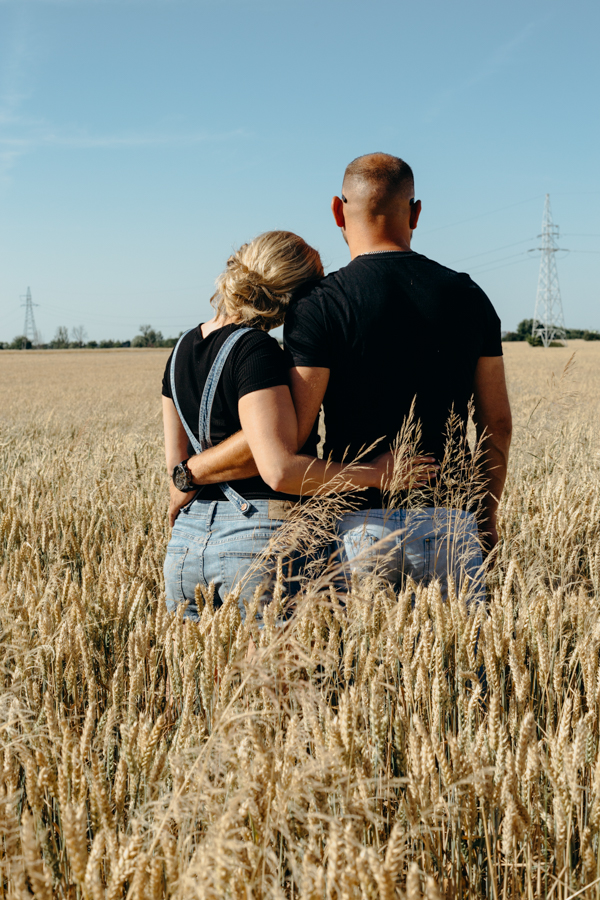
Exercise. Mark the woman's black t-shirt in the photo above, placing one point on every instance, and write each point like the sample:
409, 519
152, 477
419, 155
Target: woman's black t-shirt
255, 362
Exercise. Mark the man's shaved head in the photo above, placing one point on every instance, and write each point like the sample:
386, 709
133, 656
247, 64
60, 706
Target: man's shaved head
376, 182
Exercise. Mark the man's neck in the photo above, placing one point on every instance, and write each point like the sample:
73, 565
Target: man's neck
365, 244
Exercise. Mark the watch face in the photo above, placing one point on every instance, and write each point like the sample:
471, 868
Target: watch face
180, 479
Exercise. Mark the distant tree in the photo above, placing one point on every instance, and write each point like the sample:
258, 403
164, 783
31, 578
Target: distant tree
20, 343
525, 328
523, 332
61, 338
79, 335
148, 337
92, 345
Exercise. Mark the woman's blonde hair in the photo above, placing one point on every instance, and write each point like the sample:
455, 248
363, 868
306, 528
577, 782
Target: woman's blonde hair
260, 278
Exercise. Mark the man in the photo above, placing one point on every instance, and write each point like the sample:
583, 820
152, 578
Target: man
391, 329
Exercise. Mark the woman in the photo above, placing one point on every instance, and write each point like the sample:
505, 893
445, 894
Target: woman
229, 374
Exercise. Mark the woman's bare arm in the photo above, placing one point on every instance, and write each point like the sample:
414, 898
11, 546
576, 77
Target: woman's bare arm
268, 420
176, 449
232, 459
270, 435
176, 439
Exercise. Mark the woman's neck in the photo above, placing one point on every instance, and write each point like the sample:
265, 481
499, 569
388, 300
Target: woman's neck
215, 323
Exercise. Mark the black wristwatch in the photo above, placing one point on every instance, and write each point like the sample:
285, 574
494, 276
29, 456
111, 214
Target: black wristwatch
182, 478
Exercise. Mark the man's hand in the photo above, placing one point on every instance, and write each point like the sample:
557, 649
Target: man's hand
177, 500
488, 533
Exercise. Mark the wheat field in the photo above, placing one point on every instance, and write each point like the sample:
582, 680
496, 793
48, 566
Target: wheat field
378, 749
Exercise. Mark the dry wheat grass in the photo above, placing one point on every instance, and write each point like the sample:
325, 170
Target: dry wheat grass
381, 749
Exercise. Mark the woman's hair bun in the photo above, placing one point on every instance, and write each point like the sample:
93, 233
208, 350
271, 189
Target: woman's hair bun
260, 278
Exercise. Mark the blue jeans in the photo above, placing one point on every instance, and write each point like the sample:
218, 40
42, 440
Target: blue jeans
421, 543
213, 542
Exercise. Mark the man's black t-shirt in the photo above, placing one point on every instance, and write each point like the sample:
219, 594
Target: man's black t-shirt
392, 327
255, 362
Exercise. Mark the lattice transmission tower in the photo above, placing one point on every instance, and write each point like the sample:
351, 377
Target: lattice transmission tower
29, 330
548, 319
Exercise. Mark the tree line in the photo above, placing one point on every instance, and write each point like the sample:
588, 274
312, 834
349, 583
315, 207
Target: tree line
77, 340
150, 337
524, 332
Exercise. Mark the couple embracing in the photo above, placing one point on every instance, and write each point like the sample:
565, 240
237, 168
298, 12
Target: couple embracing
389, 334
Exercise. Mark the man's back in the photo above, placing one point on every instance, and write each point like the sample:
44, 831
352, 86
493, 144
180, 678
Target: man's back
392, 327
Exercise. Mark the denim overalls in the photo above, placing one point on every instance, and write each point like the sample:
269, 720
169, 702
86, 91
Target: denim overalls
216, 540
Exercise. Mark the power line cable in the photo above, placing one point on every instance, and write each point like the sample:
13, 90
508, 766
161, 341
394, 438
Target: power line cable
501, 259
506, 265
495, 250
482, 215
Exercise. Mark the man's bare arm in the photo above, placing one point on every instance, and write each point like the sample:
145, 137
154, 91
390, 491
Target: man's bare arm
308, 385
232, 460
493, 420
228, 461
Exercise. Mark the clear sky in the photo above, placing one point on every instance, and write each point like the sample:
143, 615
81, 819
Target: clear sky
140, 140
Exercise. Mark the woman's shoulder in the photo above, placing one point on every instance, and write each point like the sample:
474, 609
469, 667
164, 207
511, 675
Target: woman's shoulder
256, 340
256, 362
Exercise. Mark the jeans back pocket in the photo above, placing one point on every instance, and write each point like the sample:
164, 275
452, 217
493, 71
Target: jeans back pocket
173, 571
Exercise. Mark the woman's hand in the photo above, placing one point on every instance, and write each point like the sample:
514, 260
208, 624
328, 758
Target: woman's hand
415, 471
177, 500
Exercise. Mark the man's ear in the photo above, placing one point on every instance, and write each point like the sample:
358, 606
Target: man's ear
337, 208
415, 212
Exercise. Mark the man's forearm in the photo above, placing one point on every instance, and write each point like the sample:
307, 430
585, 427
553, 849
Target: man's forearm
229, 461
494, 428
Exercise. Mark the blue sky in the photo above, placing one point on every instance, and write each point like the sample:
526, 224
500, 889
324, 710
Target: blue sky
140, 140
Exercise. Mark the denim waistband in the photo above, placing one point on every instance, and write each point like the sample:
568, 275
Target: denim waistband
201, 508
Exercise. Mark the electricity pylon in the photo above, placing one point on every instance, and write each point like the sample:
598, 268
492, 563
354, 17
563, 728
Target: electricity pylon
548, 319
29, 329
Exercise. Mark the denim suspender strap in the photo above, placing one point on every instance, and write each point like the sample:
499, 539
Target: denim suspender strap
188, 430
206, 404
210, 387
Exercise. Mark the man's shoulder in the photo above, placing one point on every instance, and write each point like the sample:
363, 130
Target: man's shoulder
438, 268
314, 290
360, 268
451, 281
